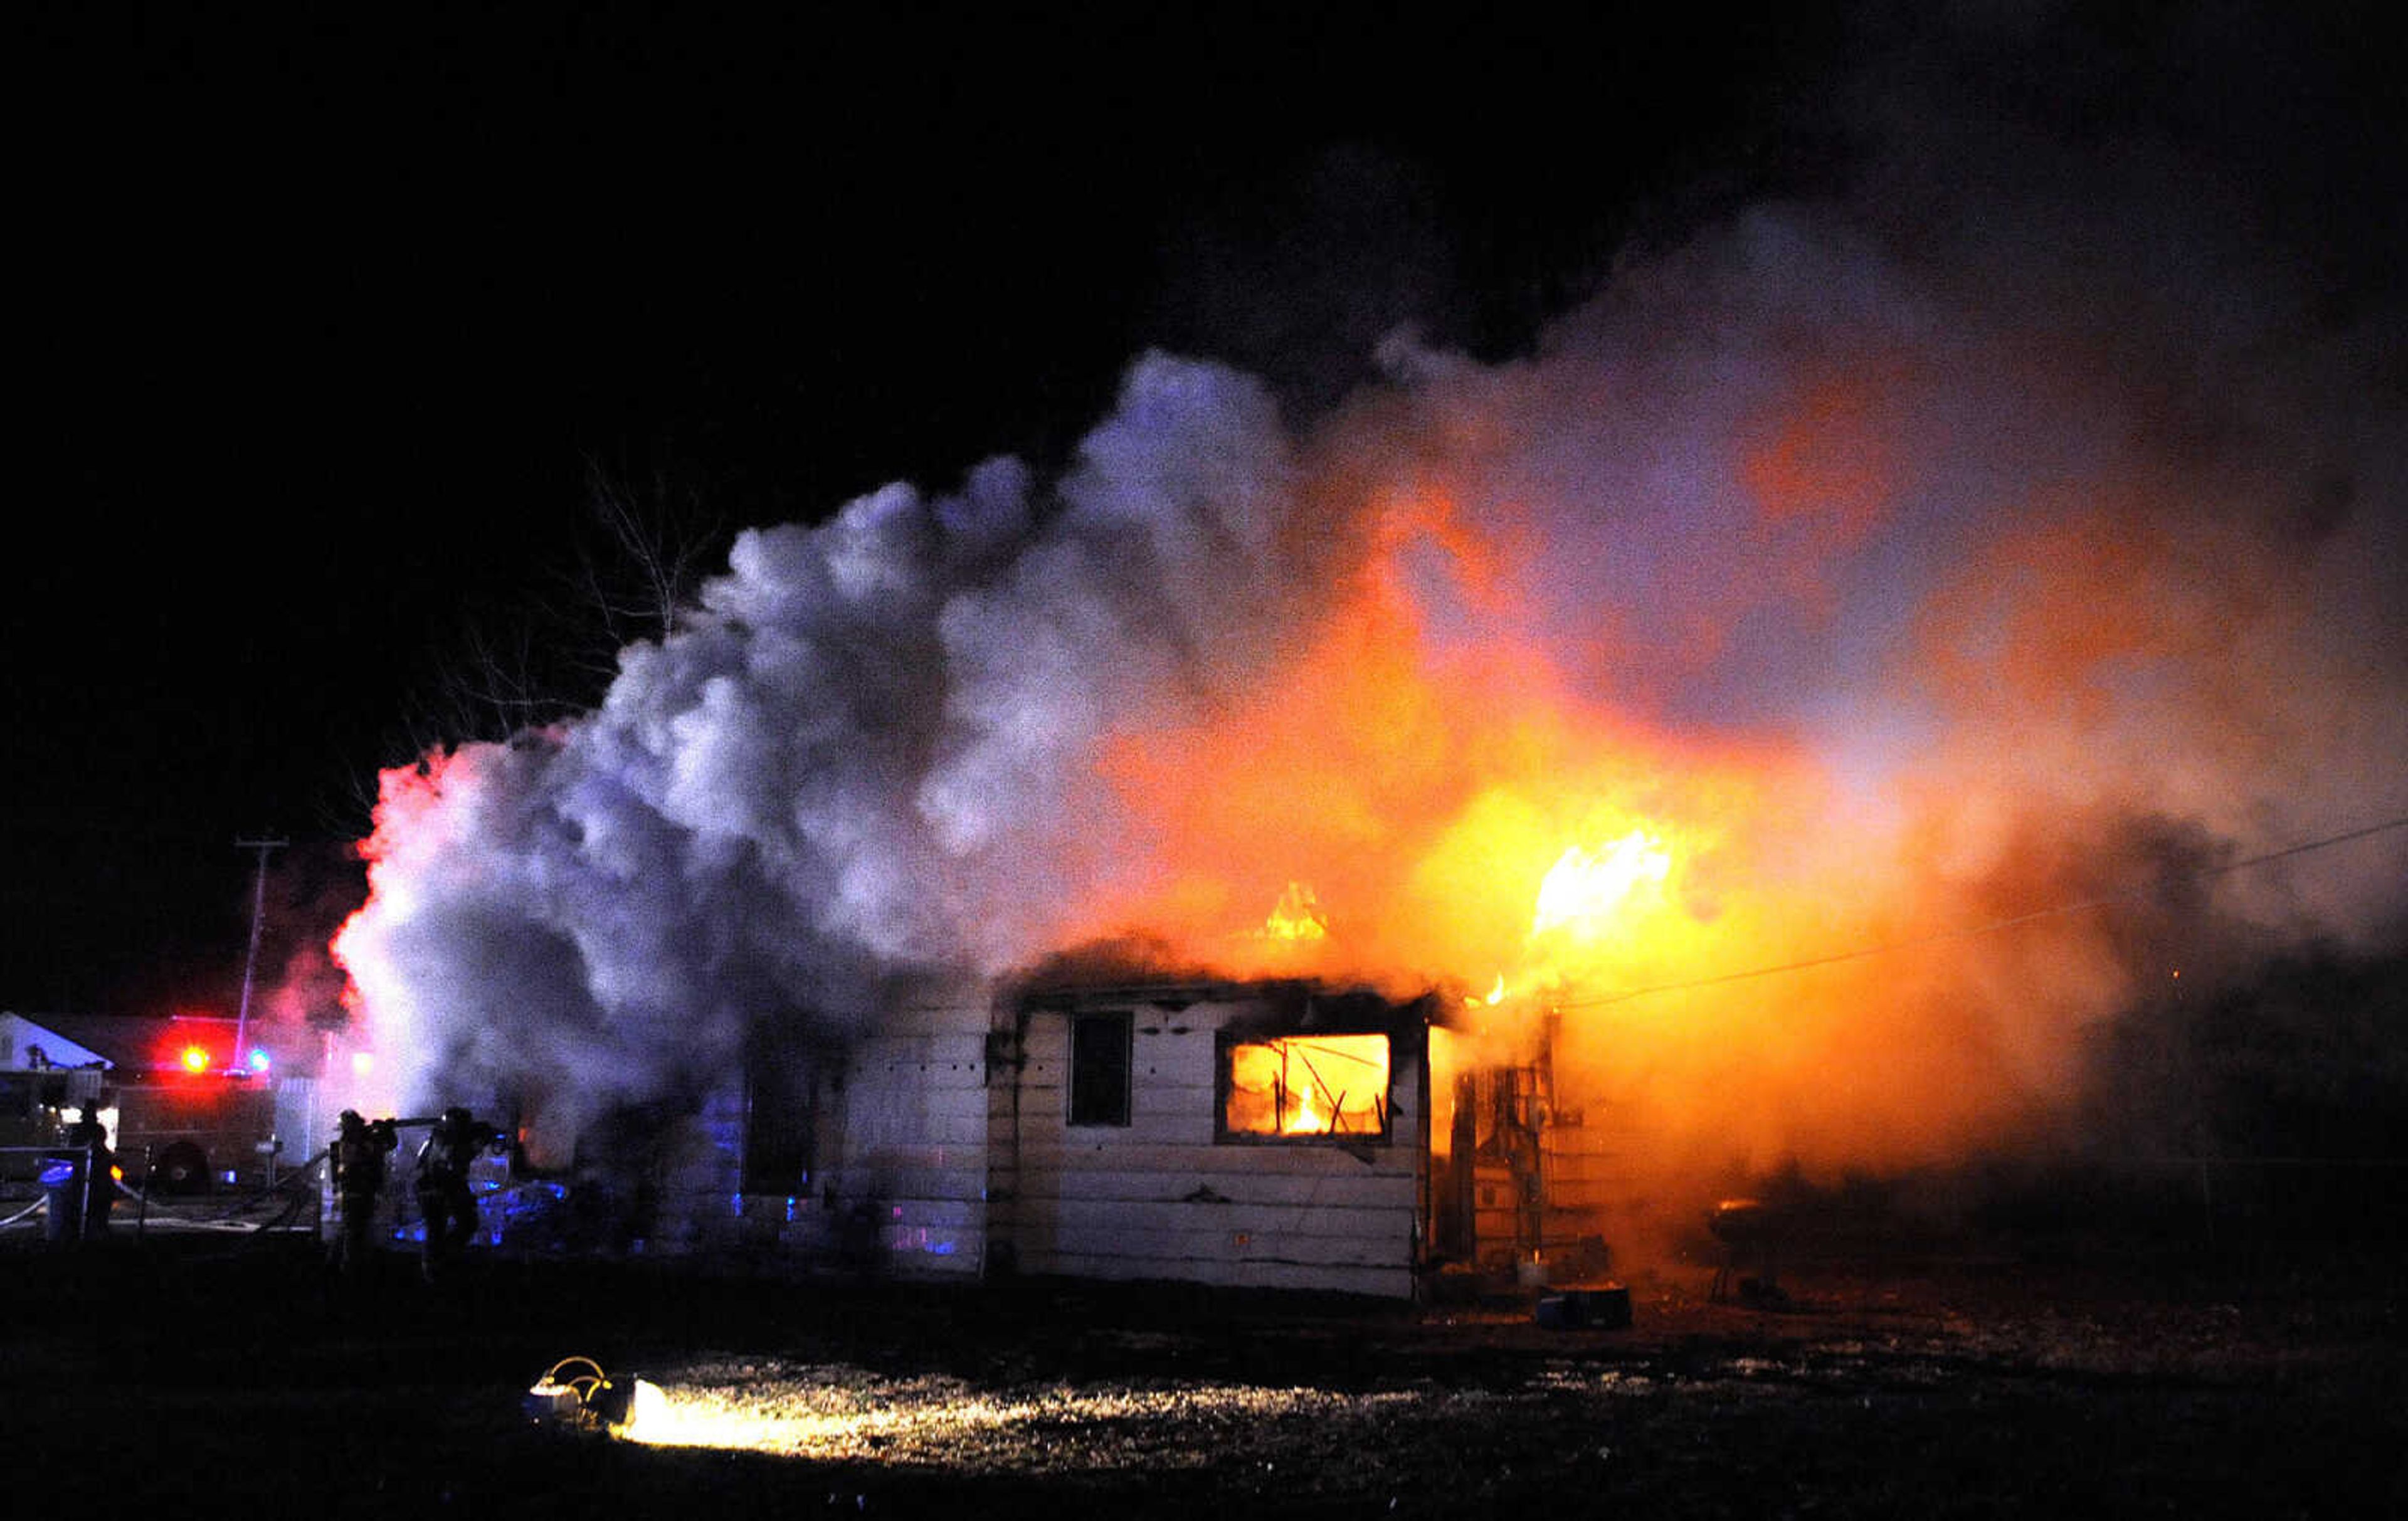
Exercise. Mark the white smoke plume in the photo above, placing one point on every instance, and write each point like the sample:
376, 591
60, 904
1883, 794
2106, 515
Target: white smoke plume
858, 761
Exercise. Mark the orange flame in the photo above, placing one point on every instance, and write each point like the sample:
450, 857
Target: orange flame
1473, 803
1297, 916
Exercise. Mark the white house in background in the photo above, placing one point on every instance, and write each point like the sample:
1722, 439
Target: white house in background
45, 1079
27, 1046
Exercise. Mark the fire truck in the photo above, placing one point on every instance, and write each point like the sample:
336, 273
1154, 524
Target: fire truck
181, 1118
188, 1133
188, 1114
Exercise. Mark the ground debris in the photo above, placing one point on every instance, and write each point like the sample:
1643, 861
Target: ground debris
1940, 1392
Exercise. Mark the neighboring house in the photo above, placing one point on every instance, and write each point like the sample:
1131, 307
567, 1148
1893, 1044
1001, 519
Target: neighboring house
45, 1077
27, 1046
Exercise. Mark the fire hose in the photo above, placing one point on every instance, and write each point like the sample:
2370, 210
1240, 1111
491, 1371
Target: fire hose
286, 1185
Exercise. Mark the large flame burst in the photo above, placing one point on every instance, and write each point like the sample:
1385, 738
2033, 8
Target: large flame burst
1415, 807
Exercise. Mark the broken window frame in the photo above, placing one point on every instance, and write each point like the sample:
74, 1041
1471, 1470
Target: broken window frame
1224, 1073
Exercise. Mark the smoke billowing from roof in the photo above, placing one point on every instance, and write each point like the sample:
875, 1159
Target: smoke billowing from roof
2019, 528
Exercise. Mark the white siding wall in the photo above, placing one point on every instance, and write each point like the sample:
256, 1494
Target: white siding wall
1587, 1169
912, 1142
1159, 1198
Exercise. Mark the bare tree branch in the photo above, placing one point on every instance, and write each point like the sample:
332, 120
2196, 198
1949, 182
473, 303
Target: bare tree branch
625, 579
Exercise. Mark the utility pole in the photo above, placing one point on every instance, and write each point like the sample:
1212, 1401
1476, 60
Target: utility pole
250, 962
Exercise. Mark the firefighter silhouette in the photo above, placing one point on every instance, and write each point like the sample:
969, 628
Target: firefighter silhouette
358, 1159
444, 1197
100, 1170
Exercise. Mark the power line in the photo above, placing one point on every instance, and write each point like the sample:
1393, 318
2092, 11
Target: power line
1993, 926
251, 960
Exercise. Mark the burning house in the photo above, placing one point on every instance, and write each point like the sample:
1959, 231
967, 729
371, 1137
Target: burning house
1274, 1133
1270, 1135
1785, 717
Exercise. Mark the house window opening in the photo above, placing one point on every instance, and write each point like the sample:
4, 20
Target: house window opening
1100, 1069
780, 1129
1332, 1086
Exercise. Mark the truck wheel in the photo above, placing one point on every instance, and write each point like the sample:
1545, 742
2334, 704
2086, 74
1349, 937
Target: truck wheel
181, 1169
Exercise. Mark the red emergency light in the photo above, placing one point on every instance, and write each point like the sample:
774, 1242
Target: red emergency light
194, 1059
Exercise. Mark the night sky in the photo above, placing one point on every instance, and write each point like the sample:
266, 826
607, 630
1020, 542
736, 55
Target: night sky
331, 322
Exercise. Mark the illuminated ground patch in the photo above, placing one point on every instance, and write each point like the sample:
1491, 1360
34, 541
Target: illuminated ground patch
837, 1412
